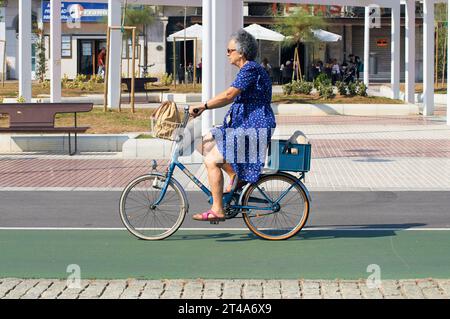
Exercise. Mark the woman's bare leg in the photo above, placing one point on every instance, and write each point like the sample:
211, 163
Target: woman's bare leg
214, 163
207, 146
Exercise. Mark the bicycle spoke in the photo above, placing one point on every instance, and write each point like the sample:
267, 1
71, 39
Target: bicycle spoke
286, 216
148, 221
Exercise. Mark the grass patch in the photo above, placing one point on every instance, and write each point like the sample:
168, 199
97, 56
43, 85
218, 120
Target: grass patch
111, 122
438, 88
339, 99
11, 90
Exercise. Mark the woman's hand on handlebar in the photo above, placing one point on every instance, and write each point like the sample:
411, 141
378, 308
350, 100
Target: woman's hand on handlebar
197, 110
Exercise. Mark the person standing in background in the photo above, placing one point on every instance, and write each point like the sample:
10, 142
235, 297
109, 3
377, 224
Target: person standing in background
101, 63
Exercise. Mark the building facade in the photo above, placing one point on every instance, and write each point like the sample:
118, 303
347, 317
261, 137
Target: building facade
84, 27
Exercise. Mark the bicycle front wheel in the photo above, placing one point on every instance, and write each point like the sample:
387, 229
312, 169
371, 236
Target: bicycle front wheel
146, 213
281, 207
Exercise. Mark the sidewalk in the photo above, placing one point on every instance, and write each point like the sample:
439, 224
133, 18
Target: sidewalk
349, 153
224, 289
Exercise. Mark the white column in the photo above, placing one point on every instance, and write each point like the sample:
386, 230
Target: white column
207, 63
114, 8
366, 45
428, 57
227, 19
448, 70
25, 49
410, 51
55, 51
395, 51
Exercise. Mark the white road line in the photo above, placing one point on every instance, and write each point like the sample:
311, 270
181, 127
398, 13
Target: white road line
228, 229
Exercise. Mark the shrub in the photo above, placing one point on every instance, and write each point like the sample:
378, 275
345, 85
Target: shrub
20, 99
80, 78
326, 92
96, 79
342, 88
361, 89
166, 79
45, 84
65, 81
299, 87
287, 89
352, 89
320, 80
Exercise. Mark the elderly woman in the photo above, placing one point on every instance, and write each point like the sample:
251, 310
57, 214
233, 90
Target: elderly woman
247, 127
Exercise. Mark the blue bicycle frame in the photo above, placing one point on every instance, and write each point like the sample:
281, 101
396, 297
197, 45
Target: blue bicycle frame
228, 197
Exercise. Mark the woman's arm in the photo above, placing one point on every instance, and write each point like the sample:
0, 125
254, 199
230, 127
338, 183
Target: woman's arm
220, 100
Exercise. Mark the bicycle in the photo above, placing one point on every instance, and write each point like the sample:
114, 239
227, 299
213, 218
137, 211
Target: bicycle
153, 206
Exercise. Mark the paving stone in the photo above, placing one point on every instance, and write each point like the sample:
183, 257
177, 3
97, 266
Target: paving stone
411, 290
153, 289
226, 289
290, 289
7, 285
432, 293
73, 293
38, 290
370, 293
173, 290
232, 289
20, 289
252, 290
94, 290
54, 290
133, 289
426, 283
272, 289
113, 290
444, 285
390, 289
330, 290
350, 290
192, 290
212, 289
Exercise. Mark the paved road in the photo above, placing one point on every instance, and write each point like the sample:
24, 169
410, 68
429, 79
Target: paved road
400, 210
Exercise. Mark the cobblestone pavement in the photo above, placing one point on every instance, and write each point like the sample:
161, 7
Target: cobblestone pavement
349, 153
329, 172
224, 289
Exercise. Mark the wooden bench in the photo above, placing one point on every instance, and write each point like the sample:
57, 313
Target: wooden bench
140, 86
40, 118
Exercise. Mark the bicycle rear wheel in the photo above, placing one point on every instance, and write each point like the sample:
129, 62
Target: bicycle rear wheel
141, 213
284, 219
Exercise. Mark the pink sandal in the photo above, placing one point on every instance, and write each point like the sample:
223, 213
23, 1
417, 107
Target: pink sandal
206, 215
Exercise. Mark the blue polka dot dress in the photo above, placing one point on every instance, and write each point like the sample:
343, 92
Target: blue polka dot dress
248, 126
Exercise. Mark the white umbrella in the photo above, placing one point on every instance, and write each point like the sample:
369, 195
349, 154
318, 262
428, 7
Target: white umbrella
194, 31
326, 36
261, 33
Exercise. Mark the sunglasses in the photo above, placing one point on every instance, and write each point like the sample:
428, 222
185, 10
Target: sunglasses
229, 51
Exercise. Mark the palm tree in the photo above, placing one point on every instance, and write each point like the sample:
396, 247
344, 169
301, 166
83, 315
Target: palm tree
139, 16
297, 27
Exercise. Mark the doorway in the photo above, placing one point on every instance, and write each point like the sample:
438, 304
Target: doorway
88, 51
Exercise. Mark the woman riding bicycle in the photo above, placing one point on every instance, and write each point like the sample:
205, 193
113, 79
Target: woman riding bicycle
250, 121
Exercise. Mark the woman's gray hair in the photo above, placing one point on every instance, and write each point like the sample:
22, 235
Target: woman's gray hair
246, 44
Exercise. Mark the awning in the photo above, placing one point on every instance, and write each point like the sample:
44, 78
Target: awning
326, 36
193, 32
261, 33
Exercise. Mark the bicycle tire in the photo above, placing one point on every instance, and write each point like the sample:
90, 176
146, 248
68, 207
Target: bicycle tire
180, 211
250, 219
